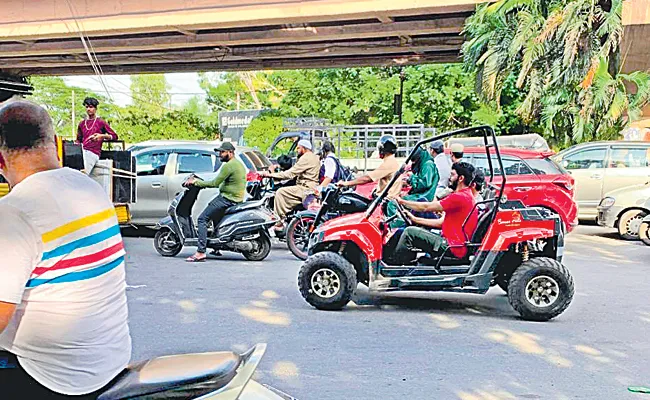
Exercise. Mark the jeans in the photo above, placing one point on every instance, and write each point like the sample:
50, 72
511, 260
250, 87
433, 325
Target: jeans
415, 238
15, 383
215, 212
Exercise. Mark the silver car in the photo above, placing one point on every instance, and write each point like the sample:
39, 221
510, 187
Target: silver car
161, 169
600, 167
624, 209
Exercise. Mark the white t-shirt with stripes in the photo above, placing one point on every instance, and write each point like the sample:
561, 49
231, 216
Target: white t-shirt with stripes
62, 263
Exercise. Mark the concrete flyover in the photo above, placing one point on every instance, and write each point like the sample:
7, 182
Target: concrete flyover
43, 36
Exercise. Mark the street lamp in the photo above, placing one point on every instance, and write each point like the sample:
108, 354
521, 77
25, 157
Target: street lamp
397, 105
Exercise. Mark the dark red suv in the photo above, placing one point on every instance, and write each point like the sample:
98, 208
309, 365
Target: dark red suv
533, 178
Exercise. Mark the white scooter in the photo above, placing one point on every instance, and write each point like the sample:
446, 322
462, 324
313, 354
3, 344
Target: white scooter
215, 376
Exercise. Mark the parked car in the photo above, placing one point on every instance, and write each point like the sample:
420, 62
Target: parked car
600, 167
533, 178
624, 209
162, 168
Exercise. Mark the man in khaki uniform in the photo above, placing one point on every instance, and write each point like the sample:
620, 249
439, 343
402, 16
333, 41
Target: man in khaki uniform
382, 175
305, 171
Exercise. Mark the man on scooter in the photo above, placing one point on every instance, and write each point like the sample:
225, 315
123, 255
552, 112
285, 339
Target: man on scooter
231, 182
457, 207
306, 173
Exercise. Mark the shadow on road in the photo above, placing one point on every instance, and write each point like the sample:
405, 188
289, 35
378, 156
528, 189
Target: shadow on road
144, 232
493, 305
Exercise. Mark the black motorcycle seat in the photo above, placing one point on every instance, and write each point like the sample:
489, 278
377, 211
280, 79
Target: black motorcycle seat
247, 205
173, 373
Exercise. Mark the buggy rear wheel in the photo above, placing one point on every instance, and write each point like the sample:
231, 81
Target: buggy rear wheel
327, 281
540, 289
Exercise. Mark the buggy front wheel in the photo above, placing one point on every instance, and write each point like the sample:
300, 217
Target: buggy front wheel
540, 289
327, 281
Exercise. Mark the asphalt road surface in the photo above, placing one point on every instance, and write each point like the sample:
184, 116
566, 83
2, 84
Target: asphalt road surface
406, 346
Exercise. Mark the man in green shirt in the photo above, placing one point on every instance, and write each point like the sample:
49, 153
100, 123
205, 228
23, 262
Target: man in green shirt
231, 182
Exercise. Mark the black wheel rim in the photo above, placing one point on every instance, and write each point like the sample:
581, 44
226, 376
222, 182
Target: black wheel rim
301, 233
167, 242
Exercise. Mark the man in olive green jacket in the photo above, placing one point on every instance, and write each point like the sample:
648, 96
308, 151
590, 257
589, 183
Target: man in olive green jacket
231, 182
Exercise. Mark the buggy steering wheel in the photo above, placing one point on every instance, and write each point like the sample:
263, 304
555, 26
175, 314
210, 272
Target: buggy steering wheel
402, 212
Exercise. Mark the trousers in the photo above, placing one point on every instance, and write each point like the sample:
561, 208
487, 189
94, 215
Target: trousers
214, 212
16, 383
415, 238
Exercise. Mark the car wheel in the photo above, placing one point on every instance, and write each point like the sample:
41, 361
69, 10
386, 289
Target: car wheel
261, 249
644, 233
298, 233
327, 281
541, 289
167, 243
629, 224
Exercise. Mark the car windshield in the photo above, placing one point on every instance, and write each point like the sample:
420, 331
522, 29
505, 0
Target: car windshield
545, 166
247, 162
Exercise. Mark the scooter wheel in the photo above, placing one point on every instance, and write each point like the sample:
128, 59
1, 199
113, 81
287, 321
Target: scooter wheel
167, 243
261, 250
644, 233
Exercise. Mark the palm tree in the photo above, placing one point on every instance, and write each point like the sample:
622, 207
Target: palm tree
565, 56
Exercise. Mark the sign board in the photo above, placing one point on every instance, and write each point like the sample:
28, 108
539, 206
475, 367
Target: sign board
232, 124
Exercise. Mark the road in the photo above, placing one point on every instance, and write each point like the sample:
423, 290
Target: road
406, 346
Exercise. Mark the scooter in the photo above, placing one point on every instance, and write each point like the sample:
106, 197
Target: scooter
244, 228
644, 230
335, 203
215, 376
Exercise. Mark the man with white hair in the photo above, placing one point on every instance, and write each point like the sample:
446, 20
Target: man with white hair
306, 171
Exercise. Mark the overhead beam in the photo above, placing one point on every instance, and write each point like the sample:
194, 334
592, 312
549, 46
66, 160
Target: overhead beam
154, 17
273, 35
298, 51
384, 60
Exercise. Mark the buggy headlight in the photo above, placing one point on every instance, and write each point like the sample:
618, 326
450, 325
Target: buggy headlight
607, 202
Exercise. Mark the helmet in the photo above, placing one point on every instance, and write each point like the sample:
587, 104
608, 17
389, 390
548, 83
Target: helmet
327, 147
387, 145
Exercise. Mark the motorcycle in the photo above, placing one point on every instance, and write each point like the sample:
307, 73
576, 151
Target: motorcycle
335, 203
644, 230
243, 229
216, 376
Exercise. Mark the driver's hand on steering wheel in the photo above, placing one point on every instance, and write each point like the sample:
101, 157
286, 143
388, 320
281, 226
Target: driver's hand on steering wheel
342, 184
409, 215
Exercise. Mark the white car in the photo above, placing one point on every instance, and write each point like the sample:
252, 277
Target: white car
161, 169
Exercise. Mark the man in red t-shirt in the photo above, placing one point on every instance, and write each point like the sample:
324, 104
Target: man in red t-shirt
456, 207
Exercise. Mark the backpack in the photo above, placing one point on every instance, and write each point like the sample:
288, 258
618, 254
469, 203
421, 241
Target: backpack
342, 173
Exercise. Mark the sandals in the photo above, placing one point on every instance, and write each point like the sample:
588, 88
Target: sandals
195, 259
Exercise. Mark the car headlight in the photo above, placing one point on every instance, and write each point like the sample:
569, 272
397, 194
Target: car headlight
607, 202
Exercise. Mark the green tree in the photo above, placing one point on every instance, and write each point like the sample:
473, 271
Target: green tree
564, 56
56, 97
150, 93
263, 129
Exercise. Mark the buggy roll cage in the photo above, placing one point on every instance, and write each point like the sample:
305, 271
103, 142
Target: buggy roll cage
485, 131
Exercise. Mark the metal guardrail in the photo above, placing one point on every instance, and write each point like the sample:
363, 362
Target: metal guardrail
357, 144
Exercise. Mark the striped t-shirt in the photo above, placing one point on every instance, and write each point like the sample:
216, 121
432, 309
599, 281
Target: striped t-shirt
62, 263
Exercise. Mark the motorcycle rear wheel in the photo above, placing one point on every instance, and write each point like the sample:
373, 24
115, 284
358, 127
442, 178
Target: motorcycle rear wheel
298, 233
